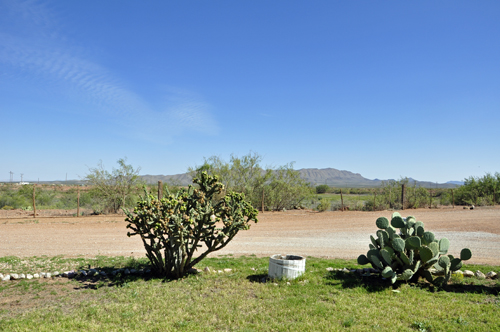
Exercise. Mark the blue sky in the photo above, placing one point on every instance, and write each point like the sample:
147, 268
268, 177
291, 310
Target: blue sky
385, 89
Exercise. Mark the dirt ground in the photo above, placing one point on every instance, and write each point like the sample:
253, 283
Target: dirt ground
303, 232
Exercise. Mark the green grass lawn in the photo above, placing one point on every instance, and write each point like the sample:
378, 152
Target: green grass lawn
238, 301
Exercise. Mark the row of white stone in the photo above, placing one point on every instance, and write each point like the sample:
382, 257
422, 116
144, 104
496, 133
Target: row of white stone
96, 273
465, 273
69, 274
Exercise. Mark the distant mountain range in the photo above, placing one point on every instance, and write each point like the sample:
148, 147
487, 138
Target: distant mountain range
330, 176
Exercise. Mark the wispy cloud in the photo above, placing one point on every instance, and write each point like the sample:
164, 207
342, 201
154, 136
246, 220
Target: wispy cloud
32, 46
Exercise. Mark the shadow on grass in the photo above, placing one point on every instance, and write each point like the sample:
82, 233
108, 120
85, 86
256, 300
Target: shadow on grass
377, 284
487, 288
262, 277
119, 279
353, 280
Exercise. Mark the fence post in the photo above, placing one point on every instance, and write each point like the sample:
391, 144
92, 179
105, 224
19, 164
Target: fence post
78, 203
453, 198
374, 198
403, 196
262, 199
390, 197
430, 198
34, 205
342, 199
160, 190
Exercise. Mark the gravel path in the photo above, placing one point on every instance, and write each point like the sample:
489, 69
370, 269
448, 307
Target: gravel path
302, 232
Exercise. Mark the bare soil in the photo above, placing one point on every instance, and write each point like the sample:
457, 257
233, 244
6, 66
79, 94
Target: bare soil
303, 232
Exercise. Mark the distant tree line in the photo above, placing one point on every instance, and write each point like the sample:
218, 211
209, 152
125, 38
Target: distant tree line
271, 189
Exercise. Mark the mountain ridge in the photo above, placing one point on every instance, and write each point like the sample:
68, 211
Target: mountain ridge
329, 176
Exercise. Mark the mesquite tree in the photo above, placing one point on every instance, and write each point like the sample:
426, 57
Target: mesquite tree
174, 228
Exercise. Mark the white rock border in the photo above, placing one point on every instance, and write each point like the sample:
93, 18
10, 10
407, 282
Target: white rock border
466, 273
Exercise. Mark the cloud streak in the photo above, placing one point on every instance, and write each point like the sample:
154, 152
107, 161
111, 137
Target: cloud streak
31, 46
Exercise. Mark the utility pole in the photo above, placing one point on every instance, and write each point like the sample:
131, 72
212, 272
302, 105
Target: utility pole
11, 176
22, 177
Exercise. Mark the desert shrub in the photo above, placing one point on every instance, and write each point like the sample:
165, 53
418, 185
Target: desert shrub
113, 190
404, 250
324, 205
322, 188
479, 190
281, 188
174, 228
378, 202
286, 189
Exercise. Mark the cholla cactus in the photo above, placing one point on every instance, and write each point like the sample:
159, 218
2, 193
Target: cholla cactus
173, 228
410, 252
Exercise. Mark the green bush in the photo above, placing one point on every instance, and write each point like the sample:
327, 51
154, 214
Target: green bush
324, 205
173, 228
322, 188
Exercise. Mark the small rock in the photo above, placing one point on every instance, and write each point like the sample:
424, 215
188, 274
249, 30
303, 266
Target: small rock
102, 273
14, 276
275, 284
148, 271
22, 276
48, 275
480, 275
288, 283
263, 280
126, 272
6, 277
253, 269
133, 271
193, 270
207, 269
83, 273
115, 272
36, 276
468, 273
345, 270
353, 271
491, 275
458, 273
92, 272
329, 269
219, 271
56, 274
69, 274
29, 276
228, 270
42, 274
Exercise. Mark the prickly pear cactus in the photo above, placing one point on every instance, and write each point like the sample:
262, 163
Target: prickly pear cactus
404, 250
174, 228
